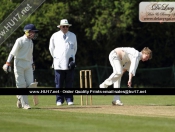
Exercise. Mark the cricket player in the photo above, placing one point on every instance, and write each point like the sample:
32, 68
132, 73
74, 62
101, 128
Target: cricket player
63, 48
22, 52
124, 59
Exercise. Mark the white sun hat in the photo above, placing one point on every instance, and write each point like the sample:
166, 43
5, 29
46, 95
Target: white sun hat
64, 22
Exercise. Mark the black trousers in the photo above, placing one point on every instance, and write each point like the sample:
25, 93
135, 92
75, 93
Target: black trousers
64, 79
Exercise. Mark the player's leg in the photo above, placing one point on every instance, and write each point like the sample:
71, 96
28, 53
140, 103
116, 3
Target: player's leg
59, 81
28, 74
20, 82
69, 84
117, 70
29, 77
116, 100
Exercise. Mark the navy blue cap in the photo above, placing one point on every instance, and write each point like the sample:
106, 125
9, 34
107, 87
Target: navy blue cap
30, 27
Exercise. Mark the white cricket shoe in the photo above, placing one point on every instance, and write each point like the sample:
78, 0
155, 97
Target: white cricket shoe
33, 85
103, 85
117, 102
59, 103
26, 107
70, 103
18, 104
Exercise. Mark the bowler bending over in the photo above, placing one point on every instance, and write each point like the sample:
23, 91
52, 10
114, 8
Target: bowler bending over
124, 59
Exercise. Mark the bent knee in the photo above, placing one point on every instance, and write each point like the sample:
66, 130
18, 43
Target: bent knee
116, 75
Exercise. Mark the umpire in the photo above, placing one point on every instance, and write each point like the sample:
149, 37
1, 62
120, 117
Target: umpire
63, 48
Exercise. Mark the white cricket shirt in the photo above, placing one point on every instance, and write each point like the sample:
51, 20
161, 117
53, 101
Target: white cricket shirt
61, 50
23, 49
131, 59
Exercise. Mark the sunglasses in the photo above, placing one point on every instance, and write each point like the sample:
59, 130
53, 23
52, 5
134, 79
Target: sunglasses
65, 26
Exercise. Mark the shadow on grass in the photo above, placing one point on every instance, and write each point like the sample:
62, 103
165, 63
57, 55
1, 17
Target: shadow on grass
160, 105
69, 107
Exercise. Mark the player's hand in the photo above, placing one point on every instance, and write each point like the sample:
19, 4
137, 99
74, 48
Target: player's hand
129, 84
33, 66
6, 67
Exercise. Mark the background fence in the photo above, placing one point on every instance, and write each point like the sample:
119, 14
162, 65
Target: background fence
150, 77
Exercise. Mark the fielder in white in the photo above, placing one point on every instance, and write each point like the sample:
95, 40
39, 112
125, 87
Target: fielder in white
124, 59
22, 52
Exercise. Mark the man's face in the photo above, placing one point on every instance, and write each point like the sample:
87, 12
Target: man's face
31, 34
64, 28
145, 57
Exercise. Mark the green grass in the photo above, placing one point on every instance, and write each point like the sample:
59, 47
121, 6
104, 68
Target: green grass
42, 119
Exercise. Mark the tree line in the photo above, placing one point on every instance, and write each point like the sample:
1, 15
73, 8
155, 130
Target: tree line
100, 26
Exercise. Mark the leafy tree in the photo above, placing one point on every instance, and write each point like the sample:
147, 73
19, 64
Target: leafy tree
100, 26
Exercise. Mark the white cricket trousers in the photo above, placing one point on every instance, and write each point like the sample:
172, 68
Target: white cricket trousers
23, 76
115, 77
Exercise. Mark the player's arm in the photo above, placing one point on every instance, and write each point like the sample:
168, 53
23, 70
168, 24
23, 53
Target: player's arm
10, 57
7, 66
51, 46
130, 79
14, 51
132, 70
33, 64
130, 75
75, 45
